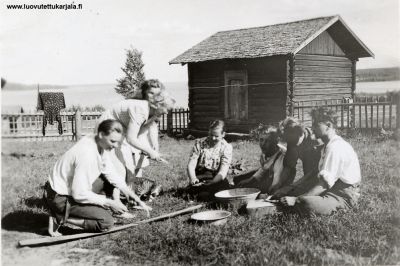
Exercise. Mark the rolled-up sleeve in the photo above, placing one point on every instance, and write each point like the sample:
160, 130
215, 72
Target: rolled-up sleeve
86, 170
195, 152
330, 166
110, 172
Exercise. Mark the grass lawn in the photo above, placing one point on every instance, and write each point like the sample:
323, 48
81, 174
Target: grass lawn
367, 235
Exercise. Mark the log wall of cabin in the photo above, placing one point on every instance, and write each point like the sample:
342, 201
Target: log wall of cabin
205, 95
266, 91
322, 71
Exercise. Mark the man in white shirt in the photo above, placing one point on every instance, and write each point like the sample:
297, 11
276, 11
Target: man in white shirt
73, 187
339, 176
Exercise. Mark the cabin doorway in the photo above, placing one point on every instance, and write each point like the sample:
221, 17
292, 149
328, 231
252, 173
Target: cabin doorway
236, 96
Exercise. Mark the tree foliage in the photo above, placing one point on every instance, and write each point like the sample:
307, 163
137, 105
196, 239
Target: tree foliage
134, 75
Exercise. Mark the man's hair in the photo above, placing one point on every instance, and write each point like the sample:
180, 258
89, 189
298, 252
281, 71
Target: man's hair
217, 124
288, 122
265, 129
108, 126
323, 115
148, 84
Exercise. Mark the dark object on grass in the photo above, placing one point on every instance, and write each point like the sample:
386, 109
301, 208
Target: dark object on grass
156, 191
236, 168
190, 137
147, 189
18, 155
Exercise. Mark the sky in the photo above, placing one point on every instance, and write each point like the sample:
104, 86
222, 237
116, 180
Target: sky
88, 46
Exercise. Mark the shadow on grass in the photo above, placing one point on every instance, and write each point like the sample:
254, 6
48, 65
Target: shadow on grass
209, 201
34, 202
30, 222
177, 192
183, 193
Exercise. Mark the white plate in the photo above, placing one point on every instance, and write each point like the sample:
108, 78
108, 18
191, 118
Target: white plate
209, 216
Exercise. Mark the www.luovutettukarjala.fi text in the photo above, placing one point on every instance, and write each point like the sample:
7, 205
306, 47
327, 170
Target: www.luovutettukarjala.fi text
45, 6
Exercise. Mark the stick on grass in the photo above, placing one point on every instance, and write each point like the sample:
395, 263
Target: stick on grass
61, 239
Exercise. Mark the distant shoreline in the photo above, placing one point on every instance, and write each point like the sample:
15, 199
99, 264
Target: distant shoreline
23, 87
378, 74
86, 96
363, 75
14, 86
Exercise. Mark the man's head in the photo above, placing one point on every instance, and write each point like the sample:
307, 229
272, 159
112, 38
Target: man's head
150, 88
324, 122
268, 140
109, 134
216, 131
292, 131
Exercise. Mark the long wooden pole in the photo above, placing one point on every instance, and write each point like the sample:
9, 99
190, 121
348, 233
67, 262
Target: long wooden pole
61, 239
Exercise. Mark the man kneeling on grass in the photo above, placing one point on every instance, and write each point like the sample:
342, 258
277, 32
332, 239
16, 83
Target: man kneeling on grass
84, 171
337, 184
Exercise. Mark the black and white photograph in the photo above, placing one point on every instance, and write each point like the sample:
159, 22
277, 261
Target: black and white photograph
188, 132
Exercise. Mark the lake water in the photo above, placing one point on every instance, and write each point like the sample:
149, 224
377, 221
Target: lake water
378, 87
105, 95
84, 95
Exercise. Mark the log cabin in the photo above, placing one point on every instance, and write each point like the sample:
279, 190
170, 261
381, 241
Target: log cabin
257, 75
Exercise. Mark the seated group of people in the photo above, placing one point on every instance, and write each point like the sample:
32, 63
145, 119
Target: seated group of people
87, 182
331, 170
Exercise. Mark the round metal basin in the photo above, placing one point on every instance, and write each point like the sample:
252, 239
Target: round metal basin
236, 197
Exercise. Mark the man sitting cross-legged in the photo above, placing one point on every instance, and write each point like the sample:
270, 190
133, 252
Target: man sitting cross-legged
268, 177
78, 176
209, 163
336, 185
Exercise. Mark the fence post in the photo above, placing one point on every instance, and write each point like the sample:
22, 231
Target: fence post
78, 125
169, 123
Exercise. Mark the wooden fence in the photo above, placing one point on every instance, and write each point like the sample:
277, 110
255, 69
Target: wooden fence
175, 122
364, 113
28, 126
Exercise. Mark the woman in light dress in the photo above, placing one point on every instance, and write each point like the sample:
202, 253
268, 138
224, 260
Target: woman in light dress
139, 119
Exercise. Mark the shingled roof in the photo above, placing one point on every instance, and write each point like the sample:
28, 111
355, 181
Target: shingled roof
279, 39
